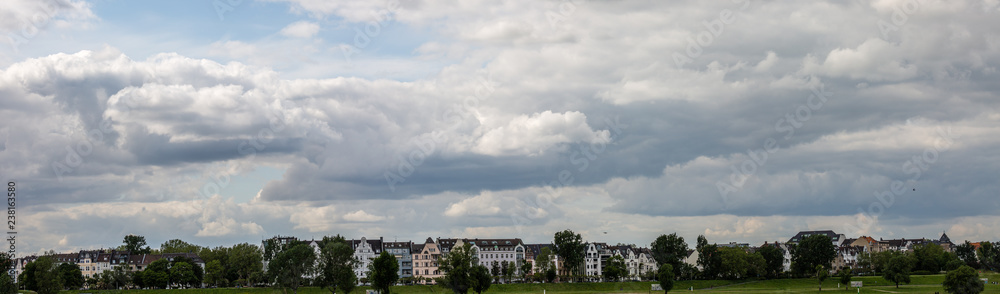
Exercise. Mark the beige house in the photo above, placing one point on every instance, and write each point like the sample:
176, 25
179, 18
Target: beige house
425, 261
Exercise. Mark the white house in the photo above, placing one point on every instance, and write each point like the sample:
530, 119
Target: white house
596, 254
365, 251
498, 251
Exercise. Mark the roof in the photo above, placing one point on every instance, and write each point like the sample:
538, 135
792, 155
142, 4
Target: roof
803, 234
408, 245
446, 244
500, 244
535, 249
376, 244
68, 257
944, 238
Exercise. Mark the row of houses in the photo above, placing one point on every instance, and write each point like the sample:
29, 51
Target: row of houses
420, 260
93, 262
848, 249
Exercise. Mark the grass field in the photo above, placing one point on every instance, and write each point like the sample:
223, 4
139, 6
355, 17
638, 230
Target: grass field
919, 284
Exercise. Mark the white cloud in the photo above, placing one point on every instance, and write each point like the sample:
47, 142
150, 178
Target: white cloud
873, 60
362, 216
301, 29
538, 133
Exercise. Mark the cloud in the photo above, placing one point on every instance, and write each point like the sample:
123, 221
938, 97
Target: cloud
362, 216
873, 60
533, 135
473, 112
301, 29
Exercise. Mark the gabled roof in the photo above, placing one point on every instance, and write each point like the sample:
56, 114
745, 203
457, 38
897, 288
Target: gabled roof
376, 244
944, 238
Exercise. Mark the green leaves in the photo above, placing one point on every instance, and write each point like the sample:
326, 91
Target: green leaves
384, 272
963, 280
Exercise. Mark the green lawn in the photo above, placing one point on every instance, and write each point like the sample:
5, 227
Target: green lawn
919, 284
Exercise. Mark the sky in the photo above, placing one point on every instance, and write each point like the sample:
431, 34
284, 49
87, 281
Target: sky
220, 122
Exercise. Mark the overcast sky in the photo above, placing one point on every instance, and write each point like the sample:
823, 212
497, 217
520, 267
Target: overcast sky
221, 122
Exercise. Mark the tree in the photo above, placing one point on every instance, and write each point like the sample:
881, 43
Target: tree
215, 274
669, 249
812, 251
118, 277
508, 268
71, 275
734, 263
182, 273
544, 260
198, 274
495, 270
929, 257
964, 280
457, 266
967, 253
550, 274
336, 265
821, 274
570, 249
134, 244
615, 269
480, 278
7, 284
665, 274
897, 270
245, 261
178, 246
155, 279
845, 277
708, 258
988, 255
774, 259
26, 279
953, 264
525, 268
47, 279
288, 266
384, 271
756, 265
877, 261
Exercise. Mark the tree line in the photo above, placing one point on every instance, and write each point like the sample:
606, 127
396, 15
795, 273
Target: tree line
295, 264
